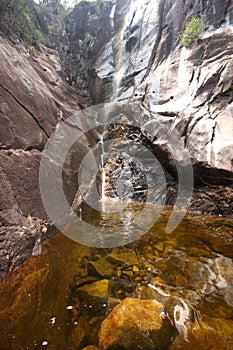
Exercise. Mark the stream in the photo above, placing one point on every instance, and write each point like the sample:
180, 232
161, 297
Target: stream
60, 298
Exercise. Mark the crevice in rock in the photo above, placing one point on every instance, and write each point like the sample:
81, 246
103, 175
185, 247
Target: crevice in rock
26, 109
194, 124
226, 95
192, 76
213, 133
168, 114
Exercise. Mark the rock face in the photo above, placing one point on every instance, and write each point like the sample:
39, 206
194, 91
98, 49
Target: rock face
186, 89
88, 29
33, 99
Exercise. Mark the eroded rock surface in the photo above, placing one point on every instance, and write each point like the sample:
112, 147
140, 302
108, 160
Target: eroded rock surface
33, 100
183, 89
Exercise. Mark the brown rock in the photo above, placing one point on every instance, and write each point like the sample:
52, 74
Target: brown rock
211, 334
93, 298
97, 289
77, 334
123, 256
101, 267
134, 324
30, 108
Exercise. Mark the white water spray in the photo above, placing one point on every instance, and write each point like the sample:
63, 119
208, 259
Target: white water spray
103, 175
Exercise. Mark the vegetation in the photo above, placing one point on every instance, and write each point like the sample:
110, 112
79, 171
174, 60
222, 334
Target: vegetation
23, 19
53, 13
17, 16
192, 31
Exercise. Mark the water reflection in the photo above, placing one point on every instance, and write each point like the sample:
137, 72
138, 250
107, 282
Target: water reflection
61, 297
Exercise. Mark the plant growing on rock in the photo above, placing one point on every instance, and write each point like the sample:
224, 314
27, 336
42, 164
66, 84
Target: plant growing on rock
192, 31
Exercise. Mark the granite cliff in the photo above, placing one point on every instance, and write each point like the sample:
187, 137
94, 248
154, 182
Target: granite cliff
174, 85
130, 54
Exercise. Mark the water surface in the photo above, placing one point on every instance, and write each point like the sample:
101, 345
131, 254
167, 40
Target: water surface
59, 299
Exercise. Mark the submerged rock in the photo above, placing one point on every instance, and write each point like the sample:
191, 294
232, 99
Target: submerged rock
210, 334
96, 289
123, 256
135, 324
101, 267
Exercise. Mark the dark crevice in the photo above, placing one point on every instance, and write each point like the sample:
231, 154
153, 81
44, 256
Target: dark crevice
168, 114
213, 133
195, 123
26, 109
34, 148
225, 95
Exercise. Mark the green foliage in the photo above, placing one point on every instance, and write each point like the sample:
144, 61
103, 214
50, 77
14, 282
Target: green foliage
88, 38
84, 67
17, 16
54, 7
192, 31
39, 37
53, 13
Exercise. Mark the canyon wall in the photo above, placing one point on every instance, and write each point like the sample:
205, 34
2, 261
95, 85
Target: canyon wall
130, 54
33, 100
175, 86
189, 88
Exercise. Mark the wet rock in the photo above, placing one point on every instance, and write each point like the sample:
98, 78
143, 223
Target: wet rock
18, 242
93, 298
213, 200
120, 287
123, 257
137, 63
209, 334
78, 334
112, 302
135, 324
79, 282
101, 267
96, 289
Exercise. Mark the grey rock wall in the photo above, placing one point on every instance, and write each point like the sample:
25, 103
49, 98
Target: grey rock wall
187, 89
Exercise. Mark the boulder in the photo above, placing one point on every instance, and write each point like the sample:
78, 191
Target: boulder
135, 324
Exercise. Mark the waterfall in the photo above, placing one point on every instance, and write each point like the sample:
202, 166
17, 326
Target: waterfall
103, 173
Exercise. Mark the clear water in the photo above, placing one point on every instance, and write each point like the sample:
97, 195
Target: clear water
54, 300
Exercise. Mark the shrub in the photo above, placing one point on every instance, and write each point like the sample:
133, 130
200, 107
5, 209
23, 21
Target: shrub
192, 31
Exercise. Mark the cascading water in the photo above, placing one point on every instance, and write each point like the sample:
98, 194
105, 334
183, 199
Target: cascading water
103, 172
